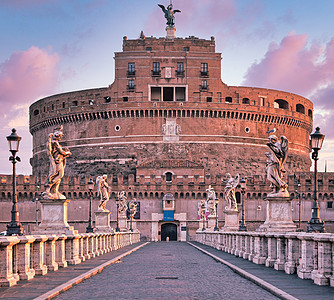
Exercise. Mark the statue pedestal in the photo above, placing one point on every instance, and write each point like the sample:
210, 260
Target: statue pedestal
211, 222
170, 32
122, 223
54, 217
134, 225
231, 220
279, 215
102, 221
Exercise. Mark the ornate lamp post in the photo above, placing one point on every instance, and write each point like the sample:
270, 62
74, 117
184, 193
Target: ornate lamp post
117, 205
90, 227
316, 224
242, 226
216, 224
14, 227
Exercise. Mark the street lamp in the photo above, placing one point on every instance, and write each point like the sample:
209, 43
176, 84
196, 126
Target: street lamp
216, 225
117, 205
14, 227
90, 227
316, 224
242, 226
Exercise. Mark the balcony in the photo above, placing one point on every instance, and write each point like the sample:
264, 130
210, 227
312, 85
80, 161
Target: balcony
204, 74
156, 73
179, 73
131, 88
131, 73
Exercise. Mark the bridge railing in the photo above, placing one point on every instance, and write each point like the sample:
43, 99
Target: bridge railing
23, 257
310, 255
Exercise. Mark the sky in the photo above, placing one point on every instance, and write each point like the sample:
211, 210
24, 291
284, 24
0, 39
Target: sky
54, 46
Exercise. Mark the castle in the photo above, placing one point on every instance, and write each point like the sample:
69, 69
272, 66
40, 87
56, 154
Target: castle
168, 125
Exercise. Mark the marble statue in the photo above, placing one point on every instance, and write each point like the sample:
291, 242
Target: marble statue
122, 205
103, 190
274, 167
211, 201
169, 13
202, 209
229, 192
57, 155
133, 208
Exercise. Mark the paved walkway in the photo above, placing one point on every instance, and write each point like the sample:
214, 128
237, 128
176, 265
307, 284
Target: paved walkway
280, 281
164, 270
64, 278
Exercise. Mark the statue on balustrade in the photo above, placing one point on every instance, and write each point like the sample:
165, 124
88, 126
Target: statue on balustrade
122, 205
103, 190
212, 201
229, 192
57, 155
275, 165
133, 208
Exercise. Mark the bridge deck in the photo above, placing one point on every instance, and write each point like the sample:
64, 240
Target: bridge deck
164, 271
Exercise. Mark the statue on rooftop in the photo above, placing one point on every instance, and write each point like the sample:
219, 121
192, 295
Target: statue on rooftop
229, 192
57, 155
274, 167
169, 14
102, 191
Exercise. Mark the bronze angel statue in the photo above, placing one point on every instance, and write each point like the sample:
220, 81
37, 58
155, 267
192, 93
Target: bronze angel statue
169, 13
275, 165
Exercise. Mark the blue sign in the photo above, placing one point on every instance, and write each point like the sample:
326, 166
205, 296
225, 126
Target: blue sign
168, 215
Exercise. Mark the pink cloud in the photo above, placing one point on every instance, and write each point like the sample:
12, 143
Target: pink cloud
293, 66
27, 75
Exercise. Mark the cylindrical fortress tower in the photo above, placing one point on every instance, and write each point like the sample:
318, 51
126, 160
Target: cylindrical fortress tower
168, 102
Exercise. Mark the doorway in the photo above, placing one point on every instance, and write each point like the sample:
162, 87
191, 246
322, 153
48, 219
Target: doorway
169, 230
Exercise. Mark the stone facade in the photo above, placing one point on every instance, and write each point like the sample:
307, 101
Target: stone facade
167, 124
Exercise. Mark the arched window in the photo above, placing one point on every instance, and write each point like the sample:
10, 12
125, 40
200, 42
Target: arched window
310, 113
228, 99
280, 103
300, 108
36, 112
245, 101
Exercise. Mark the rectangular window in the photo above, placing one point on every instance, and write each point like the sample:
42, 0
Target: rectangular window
204, 85
125, 99
208, 99
75, 103
156, 69
131, 85
330, 204
155, 93
204, 69
179, 69
262, 101
131, 69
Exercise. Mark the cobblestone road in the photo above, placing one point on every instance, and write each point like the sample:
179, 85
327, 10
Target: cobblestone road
167, 271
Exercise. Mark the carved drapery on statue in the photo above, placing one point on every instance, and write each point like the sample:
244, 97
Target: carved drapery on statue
275, 165
133, 208
57, 155
122, 205
103, 190
202, 209
229, 192
211, 201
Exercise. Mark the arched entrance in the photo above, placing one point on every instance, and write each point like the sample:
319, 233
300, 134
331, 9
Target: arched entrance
169, 230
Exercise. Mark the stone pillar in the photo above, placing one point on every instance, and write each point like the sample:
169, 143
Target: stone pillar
39, 255
272, 250
122, 223
281, 255
102, 221
50, 253
54, 217
60, 251
211, 222
170, 32
279, 215
231, 220
8, 272
292, 257
24, 254
325, 257
72, 250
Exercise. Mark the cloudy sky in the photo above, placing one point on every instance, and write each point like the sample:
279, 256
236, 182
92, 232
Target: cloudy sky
54, 46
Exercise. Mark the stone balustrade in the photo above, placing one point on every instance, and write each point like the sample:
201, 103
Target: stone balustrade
310, 255
23, 257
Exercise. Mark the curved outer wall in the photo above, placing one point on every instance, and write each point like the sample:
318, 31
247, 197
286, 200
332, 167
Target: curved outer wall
224, 128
